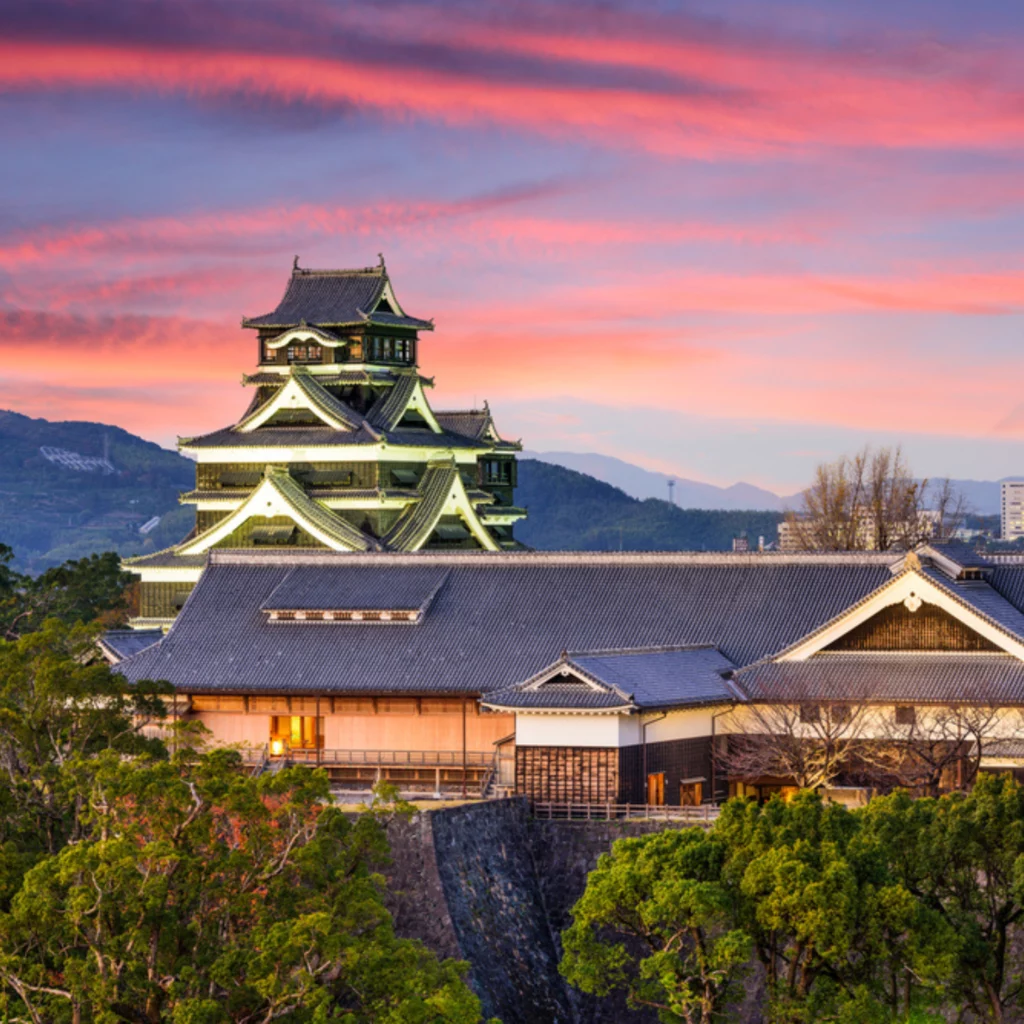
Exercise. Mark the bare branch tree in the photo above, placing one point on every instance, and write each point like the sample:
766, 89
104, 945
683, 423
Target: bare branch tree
929, 749
871, 501
807, 742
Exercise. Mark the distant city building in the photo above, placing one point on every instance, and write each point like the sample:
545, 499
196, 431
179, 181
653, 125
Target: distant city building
1012, 510
740, 543
794, 535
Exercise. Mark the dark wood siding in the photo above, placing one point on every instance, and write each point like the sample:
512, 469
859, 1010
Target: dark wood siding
162, 600
246, 475
677, 759
578, 774
896, 628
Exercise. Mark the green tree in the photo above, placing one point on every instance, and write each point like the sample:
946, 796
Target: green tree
655, 922
963, 856
91, 589
58, 704
832, 927
199, 895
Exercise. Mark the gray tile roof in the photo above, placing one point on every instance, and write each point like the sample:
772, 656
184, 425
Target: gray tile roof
957, 551
123, 643
417, 522
334, 298
362, 588
314, 437
566, 694
650, 678
667, 677
499, 618
1008, 580
981, 598
389, 408
896, 677
320, 399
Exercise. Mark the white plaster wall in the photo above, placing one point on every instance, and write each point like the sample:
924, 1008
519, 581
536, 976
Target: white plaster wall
878, 722
609, 730
680, 725
567, 730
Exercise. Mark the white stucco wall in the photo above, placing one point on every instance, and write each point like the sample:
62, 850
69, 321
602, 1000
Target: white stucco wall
567, 730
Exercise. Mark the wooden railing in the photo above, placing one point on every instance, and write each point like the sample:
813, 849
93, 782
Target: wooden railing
393, 758
554, 811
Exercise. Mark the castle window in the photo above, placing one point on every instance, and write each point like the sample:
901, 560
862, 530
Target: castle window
906, 714
496, 471
269, 353
810, 714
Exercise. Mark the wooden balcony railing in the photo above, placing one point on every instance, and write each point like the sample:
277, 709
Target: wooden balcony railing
392, 758
554, 811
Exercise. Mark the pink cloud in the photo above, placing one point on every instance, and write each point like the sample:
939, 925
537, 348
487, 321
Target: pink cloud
747, 100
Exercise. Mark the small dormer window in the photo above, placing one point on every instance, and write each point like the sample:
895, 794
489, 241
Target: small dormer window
304, 353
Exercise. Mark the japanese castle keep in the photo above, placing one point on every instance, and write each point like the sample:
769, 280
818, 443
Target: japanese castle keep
339, 448
353, 597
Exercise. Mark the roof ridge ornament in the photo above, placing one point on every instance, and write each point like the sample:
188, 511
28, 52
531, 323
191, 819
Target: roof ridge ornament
295, 265
911, 560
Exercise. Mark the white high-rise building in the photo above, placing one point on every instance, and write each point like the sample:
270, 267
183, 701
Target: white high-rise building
1012, 510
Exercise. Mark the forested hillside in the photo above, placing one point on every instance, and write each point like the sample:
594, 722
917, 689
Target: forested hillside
96, 485
51, 511
572, 511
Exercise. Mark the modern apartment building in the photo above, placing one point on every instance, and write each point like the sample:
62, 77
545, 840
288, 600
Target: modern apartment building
1012, 510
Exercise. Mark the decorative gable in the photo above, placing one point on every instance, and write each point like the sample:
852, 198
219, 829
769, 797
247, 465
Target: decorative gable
898, 628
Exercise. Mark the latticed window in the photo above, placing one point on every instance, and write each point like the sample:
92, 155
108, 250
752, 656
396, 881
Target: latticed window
810, 714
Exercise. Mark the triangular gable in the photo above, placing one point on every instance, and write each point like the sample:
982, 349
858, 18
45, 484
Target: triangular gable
279, 495
442, 493
404, 395
387, 294
303, 392
913, 589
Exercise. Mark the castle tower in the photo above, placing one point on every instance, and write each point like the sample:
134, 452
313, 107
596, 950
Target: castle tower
339, 447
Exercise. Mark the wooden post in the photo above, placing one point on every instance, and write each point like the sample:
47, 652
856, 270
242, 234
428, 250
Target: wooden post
316, 731
463, 748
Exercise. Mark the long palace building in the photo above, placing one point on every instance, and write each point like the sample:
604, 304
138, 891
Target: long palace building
339, 448
353, 597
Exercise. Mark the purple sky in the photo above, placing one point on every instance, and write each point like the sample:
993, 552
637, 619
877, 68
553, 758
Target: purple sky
725, 240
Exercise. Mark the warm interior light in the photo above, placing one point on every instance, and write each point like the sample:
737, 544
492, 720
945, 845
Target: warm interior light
277, 747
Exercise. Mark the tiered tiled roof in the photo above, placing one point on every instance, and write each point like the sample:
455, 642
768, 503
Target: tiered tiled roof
336, 298
387, 411
418, 521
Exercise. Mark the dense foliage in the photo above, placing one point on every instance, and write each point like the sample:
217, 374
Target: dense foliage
142, 885
92, 589
907, 910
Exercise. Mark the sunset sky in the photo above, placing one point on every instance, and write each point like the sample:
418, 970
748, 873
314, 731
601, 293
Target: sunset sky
724, 240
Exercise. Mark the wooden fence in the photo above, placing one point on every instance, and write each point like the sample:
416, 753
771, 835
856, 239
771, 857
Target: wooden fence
553, 811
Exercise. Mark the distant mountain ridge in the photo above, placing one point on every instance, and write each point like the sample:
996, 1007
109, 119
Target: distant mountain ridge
99, 488
982, 496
